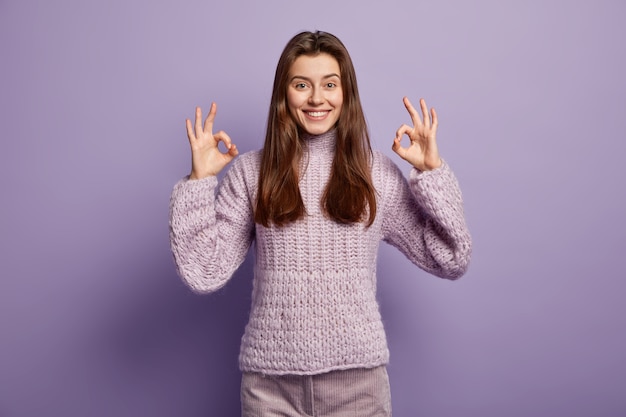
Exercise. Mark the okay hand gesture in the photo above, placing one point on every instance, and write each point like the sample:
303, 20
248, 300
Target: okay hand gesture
206, 158
422, 152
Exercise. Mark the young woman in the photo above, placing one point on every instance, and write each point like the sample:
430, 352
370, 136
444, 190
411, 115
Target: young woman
316, 201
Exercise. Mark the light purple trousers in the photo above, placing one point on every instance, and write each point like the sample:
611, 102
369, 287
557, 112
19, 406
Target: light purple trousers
349, 393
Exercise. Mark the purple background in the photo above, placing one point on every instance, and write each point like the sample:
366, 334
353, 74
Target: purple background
93, 96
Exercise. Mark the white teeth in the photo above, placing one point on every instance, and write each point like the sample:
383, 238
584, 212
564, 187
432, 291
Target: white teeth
317, 113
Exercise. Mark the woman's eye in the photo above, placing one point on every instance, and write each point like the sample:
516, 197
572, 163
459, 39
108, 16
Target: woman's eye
300, 86
331, 85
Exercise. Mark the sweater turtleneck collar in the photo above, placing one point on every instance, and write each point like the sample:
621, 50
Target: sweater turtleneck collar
320, 143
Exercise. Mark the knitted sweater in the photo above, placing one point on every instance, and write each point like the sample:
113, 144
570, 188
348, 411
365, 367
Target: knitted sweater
314, 305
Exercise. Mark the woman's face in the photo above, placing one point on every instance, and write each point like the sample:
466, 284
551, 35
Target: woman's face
314, 94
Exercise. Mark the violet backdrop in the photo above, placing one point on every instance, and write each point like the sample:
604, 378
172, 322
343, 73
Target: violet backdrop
93, 97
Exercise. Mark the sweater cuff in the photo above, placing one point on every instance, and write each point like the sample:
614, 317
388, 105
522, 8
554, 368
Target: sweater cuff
194, 186
417, 175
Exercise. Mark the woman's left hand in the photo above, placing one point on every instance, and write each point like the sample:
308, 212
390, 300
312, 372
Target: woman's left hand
422, 152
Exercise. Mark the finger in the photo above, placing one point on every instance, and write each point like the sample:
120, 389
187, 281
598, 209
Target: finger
434, 116
190, 134
221, 136
425, 112
198, 123
233, 151
397, 148
208, 123
404, 130
415, 116
396, 144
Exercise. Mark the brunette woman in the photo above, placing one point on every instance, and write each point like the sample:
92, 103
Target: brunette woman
316, 201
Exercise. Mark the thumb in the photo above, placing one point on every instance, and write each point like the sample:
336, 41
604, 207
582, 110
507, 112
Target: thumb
397, 148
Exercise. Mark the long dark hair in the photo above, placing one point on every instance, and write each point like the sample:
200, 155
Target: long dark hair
349, 196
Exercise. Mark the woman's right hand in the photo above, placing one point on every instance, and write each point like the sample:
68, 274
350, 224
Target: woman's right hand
206, 158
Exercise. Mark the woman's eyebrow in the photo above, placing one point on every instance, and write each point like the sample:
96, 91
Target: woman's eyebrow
302, 77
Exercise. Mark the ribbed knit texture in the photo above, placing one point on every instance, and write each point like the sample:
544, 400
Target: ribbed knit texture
355, 392
314, 303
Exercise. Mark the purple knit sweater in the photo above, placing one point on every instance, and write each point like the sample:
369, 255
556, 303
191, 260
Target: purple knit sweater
314, 305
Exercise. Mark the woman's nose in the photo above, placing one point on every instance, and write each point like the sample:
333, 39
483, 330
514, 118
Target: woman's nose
316, 96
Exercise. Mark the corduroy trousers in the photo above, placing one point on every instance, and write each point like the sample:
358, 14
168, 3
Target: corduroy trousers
349, 393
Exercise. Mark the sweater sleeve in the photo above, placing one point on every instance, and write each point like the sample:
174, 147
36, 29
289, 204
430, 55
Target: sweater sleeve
424, 219
210, 235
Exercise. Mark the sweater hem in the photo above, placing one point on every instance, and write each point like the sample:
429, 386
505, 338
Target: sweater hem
313, 371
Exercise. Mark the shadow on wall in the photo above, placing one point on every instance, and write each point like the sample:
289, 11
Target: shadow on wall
153, 347
173, 352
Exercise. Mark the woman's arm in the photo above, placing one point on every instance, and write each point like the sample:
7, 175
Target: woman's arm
209, 235
424, 218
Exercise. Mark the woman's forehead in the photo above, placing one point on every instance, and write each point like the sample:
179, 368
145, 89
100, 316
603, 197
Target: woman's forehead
318, 65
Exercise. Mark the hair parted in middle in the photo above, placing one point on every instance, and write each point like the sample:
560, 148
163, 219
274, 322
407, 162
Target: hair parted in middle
349, 196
